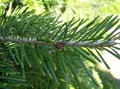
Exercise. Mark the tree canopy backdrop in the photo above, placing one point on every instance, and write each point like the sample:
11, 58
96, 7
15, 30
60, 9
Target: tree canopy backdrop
40, 51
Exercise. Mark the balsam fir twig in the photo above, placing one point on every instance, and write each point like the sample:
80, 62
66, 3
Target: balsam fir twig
99, 43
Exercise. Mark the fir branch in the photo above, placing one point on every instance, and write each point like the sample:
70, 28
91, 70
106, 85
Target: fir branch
99, 43
22, 40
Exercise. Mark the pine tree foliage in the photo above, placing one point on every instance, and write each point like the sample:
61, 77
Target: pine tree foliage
41, 52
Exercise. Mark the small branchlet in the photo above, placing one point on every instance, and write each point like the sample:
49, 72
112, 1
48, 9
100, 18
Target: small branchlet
60, 45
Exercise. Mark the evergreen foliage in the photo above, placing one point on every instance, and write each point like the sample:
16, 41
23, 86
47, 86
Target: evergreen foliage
42, 52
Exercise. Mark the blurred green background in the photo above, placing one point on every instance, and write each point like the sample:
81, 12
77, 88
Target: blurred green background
71, 8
